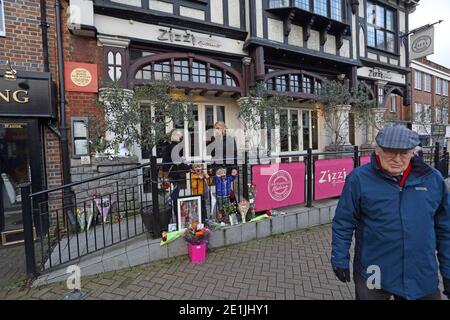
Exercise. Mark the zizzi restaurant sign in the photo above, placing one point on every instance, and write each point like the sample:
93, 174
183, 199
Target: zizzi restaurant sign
30, 95
280, 185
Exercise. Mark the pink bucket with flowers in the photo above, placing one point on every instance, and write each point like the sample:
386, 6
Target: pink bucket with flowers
197, 253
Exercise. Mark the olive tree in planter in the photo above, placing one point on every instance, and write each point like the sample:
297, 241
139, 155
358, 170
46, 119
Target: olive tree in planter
138, 117
336, 101
259, 116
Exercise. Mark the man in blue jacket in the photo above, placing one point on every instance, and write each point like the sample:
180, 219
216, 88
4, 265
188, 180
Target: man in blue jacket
399, 209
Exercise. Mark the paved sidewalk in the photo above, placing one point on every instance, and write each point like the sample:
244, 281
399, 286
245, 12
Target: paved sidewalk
289, 266
12, 266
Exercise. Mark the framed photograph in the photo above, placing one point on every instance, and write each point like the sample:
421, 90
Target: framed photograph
189, 210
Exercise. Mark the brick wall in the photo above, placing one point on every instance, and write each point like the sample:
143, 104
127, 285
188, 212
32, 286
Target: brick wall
23, 46
85, 50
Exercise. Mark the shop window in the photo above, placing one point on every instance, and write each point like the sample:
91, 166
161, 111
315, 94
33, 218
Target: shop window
162, 70
2, 20
216, 76
280, 83
181, 70
80, 137
298, 130
294, 83
230, 80
198, 72
380, 27
306, 85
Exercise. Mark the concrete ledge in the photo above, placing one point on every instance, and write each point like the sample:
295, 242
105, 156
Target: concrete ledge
248, 231
143, 249
277, 224
262, 229
233, 234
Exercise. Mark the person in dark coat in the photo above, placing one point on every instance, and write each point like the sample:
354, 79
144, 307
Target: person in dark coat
223, 150
173, 167
398, 207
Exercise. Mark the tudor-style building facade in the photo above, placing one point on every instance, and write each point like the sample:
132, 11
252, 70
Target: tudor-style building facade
217, 51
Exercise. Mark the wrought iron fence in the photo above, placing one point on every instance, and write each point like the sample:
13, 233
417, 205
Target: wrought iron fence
84, 217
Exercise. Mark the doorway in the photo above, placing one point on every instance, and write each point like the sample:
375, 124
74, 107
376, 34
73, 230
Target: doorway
20, 162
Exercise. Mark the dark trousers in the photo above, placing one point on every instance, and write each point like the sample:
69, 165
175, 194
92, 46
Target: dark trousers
362, 292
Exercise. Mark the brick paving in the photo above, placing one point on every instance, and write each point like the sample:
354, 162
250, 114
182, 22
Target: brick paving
12, 267
288, 266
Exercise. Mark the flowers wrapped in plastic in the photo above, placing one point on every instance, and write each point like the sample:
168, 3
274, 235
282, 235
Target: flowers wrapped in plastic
168, 237
196, 234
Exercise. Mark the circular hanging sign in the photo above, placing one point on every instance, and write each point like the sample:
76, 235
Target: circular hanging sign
81, 77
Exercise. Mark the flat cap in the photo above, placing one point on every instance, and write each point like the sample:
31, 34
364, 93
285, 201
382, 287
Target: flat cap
397, 137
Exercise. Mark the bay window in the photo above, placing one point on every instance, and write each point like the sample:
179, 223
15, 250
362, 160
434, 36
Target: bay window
380, 27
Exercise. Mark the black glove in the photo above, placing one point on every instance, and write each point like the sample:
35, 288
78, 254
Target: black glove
446, 287
342, 274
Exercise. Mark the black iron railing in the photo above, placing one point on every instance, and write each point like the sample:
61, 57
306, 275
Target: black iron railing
84, 217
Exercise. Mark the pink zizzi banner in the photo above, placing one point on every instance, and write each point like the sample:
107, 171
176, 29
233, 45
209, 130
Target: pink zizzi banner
364, 160
278, 185
329, 177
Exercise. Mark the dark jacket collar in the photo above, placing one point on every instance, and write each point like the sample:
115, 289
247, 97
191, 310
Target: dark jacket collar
419, 169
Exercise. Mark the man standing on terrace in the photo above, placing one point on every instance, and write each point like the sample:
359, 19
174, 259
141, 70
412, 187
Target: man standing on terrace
399, 209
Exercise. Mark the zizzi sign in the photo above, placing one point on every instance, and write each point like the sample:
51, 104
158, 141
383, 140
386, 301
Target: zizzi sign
187, 38
27, 97
378, 73
329, 177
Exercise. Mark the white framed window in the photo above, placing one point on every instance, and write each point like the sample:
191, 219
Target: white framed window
298, 130
438, 86
441, 115
445, 88
380, 96
418, 80
393, 103
427, 82
80, 137
418, 112
426, 113
2, 20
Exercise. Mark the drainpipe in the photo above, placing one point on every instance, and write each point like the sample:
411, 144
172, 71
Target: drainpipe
62, 98
44, 26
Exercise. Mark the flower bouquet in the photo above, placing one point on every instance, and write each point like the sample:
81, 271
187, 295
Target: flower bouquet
243, 207
196, 234
230, 213
197, 237
84, 218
